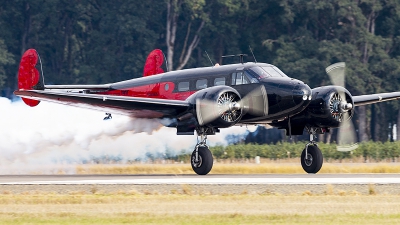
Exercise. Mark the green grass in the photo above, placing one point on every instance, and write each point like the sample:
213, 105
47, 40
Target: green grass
223, 219
133, 208
236, 168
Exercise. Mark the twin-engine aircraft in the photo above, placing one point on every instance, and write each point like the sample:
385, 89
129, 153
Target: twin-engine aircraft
204, 100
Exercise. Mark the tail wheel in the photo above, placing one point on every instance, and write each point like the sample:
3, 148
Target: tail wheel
314, 160
204, 162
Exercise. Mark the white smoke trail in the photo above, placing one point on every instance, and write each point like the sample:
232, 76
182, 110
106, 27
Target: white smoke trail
52, 134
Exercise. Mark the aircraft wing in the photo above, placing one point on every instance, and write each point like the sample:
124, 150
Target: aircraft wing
131, 106
375, 98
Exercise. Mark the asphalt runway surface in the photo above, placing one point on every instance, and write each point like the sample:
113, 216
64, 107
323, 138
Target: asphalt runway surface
363, 184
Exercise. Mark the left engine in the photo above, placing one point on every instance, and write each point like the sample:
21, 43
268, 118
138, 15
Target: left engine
218, 106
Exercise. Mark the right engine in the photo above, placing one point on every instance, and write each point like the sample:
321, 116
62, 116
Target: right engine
329, 107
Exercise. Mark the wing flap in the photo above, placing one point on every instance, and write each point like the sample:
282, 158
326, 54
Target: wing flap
131, 106
375, 98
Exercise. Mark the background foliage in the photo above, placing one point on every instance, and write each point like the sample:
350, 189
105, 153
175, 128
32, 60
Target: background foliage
366, 152
93, 41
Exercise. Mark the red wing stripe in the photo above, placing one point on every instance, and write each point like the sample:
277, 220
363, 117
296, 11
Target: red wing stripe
28, 93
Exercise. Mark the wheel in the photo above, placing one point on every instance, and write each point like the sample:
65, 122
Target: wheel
203, 165
314, 160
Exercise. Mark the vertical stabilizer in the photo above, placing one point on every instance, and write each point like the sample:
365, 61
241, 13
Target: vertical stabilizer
28, 75
153, 63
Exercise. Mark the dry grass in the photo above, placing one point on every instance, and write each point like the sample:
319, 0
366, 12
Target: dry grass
198, 209
237, 168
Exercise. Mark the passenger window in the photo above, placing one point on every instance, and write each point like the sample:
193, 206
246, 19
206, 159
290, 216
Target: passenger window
200, 84
183, 86
219, 81
239, 78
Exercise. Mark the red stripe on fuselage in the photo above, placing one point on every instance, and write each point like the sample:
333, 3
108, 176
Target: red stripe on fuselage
163, 90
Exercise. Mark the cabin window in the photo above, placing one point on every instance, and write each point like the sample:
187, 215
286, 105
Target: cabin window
200, 84
166, 87
219, 81
183, 86
239, 78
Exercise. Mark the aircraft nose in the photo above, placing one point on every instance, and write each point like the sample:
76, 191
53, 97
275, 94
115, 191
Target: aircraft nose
302, 93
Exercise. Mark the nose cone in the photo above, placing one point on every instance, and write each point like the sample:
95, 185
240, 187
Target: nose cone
302, 93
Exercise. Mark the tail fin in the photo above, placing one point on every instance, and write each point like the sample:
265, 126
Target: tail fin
153, 63
28, 75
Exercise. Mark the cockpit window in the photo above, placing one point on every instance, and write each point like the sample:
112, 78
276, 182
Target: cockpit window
259, 72
279, 71
267, 71
239, 78
251, 77
273, 71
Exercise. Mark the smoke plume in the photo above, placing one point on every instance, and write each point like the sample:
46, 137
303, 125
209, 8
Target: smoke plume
52, 134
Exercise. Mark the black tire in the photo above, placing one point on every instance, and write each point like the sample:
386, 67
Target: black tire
205, 162
314, 162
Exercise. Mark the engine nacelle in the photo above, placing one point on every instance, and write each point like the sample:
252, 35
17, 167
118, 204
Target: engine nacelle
330, 106
217, 106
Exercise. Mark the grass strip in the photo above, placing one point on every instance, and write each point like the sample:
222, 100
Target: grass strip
235, 168
218, 219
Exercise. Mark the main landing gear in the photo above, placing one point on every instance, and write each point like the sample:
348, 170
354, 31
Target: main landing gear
201, 159
311, 157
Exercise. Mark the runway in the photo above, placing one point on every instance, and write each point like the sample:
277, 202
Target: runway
209, 184
266, 179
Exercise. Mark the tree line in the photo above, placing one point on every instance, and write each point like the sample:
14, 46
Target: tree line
366, 152
93, 41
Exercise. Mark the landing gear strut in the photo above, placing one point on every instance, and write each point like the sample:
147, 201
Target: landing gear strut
311, 157
202, 159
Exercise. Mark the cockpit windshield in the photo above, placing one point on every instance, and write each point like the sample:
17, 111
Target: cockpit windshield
279, 71
267, 71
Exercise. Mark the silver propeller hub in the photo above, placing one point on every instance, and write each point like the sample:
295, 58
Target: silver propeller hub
346, 106
234, 106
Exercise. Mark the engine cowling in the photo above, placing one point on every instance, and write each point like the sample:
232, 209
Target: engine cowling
329, 107
217, 106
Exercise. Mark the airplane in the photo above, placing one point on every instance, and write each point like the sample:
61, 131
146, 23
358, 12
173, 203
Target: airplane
203, 100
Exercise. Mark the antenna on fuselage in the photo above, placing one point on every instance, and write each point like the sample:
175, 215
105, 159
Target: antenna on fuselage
255, 60
241, 57
166, 61
212, 64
